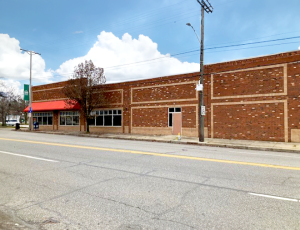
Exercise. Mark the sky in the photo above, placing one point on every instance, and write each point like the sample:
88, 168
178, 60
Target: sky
136, 39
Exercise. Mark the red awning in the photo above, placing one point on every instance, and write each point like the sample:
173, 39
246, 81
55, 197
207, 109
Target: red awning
52, 105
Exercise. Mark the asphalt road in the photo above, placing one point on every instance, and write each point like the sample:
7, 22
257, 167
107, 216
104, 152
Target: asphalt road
66, 182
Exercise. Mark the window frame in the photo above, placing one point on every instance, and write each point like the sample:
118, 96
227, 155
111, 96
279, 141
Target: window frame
107, 113
41, 116
72, 114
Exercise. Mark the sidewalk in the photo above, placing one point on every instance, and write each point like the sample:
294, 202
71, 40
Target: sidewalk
237, 144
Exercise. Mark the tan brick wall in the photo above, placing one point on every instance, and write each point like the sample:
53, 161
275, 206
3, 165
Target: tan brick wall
293, 97
255, 121
69, 128
152, 130
280, 85
167, 92
48, 95
190, 132
238, 95
113, 97
55, 120
150, 117
253, 62
295, 137
98, 129
45, 127
189, 116
249, 83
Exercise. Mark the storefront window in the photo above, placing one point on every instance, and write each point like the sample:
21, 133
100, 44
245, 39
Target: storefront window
69, 118
43, 118
107, 118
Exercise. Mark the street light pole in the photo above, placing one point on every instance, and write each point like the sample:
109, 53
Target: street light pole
30, 90
209, 9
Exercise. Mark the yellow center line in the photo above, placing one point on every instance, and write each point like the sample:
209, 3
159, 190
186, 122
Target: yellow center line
158, 154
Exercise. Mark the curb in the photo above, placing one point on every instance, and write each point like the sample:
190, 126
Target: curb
232, 146
211, 145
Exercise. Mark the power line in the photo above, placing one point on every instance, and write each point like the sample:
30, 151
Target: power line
196, 52
251, 43
206, 6
134, 19
156, 59
256, 47
173, 55
130, 20
165, 21
257, 38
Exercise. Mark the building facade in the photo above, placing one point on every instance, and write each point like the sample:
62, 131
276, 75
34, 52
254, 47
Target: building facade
250, 99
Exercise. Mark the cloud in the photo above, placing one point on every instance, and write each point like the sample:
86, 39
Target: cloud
126, 59
11, 85
299, 48
15, 65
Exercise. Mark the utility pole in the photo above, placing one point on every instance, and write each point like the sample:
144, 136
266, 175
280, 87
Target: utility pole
209, 9
30, 90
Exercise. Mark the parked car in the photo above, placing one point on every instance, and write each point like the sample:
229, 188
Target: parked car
11, 122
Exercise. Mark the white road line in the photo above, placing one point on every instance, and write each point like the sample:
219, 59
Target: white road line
274, 197
36, 158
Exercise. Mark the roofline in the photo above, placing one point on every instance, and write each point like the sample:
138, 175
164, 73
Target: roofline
193, 72
133, 80
261, 56
211, 64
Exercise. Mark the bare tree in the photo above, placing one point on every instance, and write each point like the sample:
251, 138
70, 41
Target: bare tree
10, 103
85, 88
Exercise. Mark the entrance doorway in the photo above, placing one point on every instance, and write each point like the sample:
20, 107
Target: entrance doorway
177, 123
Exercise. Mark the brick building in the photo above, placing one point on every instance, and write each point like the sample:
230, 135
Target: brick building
252, 99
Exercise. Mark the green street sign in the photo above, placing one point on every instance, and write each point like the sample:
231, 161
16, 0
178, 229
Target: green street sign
26, 92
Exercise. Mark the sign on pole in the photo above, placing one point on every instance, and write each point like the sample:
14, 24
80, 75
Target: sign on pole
203, 110
26, 92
